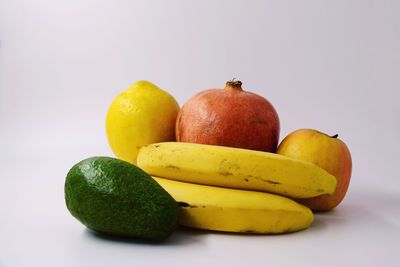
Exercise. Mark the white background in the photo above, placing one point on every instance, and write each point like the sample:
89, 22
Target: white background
329, 65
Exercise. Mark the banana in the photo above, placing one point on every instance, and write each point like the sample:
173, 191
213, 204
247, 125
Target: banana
235, 168
233, 210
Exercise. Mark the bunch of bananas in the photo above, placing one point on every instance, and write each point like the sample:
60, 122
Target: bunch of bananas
236, 190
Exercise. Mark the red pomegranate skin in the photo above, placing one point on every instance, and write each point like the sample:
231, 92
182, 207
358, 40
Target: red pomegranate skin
229, 117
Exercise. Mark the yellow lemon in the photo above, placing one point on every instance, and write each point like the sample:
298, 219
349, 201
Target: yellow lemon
141, 115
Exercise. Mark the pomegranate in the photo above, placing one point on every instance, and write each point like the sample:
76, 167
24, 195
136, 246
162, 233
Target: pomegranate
229, 117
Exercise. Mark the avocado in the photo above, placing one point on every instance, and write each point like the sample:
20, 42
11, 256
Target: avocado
114, 197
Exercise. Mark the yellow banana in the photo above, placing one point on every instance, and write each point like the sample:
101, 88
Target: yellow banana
233, 210
235, 168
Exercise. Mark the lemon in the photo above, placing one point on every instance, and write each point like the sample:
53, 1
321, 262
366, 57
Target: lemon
140, 115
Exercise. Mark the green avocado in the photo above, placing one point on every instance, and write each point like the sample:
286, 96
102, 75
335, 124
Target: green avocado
114, 197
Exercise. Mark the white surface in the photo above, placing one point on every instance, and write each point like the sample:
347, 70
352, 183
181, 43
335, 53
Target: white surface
328, 65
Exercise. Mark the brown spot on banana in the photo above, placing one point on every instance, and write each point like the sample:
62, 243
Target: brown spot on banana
170, 166
187, 205
272, 182
225, 173
183, 204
